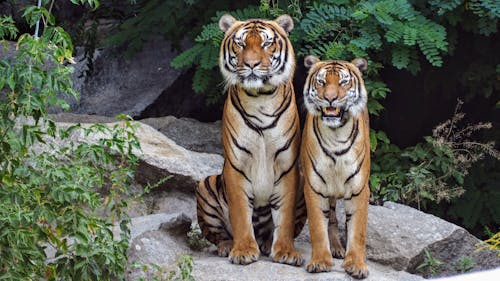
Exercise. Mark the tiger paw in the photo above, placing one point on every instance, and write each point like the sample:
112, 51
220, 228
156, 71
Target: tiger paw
337, 249
244, 256
224, 247
356, 267
291, 257
265, 248
319, 265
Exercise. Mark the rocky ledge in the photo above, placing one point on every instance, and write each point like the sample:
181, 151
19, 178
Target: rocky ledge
397, 240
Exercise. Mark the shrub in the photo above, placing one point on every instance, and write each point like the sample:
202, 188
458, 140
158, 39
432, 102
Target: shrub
60, 197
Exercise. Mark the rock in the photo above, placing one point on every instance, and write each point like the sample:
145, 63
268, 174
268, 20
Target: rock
125, 85
180, 100
397, 236
190, 133
172, 223
211, 267
172, 201
160, 157
163, 157
156, 240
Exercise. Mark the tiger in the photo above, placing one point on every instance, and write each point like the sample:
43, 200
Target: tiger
335, 158
256, 205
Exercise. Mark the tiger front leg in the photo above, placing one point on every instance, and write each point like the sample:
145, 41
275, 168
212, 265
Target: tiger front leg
283, 204
336, 247
356, 220
318, 208
244, 249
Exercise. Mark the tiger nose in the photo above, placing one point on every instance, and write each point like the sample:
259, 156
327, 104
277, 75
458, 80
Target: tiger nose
331, 96
252, 63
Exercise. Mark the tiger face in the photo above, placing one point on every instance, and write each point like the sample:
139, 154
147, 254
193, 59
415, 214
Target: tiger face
335, 89
256, 54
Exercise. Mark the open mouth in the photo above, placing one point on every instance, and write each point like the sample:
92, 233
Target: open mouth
332, 112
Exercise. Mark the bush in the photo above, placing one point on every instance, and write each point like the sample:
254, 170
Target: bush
60, 197
431, 171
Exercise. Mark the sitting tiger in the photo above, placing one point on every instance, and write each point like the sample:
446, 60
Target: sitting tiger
335, 158
256, 203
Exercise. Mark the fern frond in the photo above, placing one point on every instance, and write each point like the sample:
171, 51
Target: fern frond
209, 57
400, 57
444, 6
209, 32
201, 79
188, 57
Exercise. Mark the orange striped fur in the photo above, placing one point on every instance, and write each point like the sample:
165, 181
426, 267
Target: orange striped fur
335, 157
256, 205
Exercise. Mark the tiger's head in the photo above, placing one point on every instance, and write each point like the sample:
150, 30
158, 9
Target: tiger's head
335, 89
256, 54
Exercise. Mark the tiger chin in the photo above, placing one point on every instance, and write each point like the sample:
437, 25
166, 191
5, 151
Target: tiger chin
256, 205
335, 158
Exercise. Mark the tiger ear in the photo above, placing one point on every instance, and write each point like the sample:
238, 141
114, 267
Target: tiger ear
361, 64
310, 60
226, 21
286, 22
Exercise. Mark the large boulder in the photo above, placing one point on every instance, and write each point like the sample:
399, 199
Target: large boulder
190, 133
398, 236
160, 157
120, 84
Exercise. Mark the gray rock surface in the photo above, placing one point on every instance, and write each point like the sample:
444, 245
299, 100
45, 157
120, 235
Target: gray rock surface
156, 240
161, 157
209, 267
397, 236
124, 85
190, 133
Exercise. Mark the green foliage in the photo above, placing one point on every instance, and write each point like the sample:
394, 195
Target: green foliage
430, 171
60, 197
183, 270
8, 28
172, 19
195, 239
430, 266
333, 30
492, 243
464, 264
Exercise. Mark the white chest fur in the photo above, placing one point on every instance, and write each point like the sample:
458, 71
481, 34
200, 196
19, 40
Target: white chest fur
263, 129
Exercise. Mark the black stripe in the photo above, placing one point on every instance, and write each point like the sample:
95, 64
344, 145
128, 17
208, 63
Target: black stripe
354, 128
275, 201
242, 114
345, 150
250, 94
262, 209
355, 172
217, 214
287, 170
318, 137
239, 171
326, 213
243, 109
317, 192
286, 146
315, 169
348, 217
242, 148
278, 115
